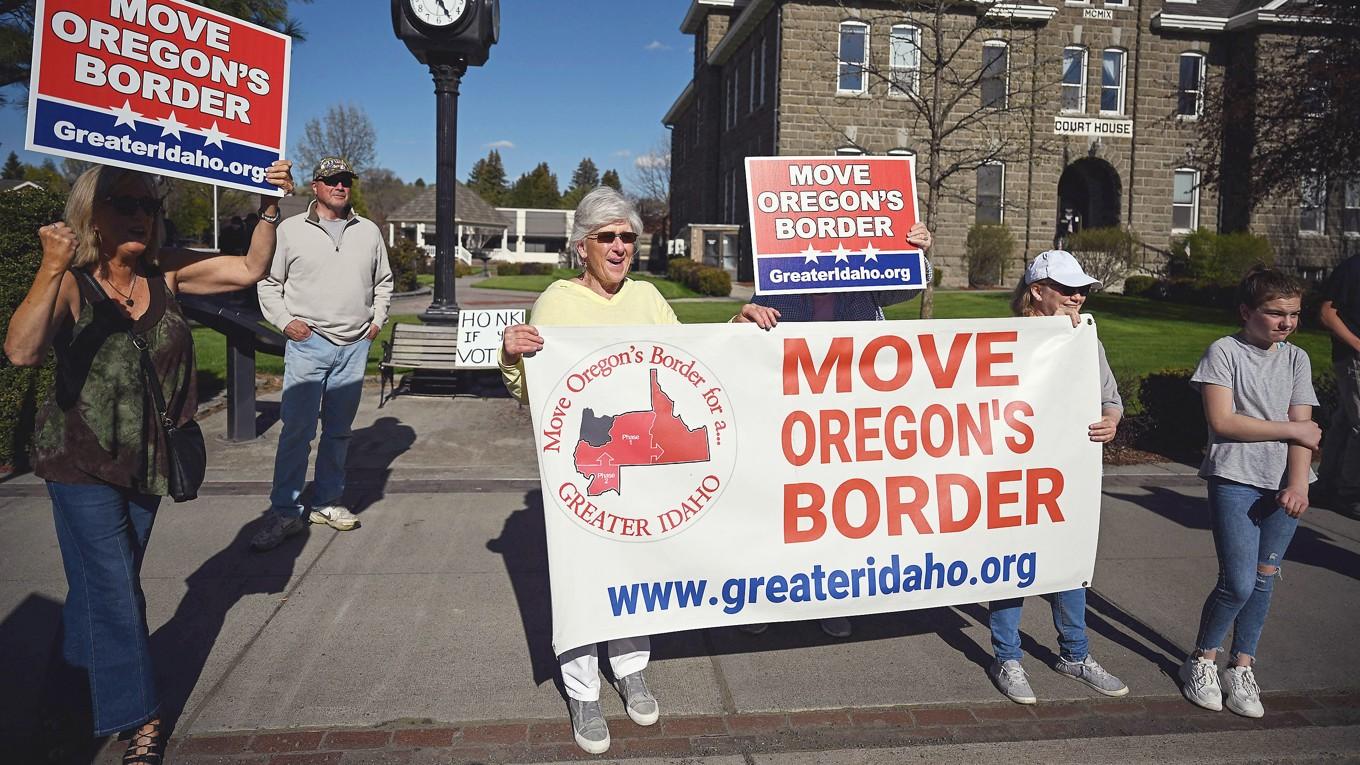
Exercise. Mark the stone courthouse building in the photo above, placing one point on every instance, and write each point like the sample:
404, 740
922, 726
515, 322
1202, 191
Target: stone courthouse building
1041, 111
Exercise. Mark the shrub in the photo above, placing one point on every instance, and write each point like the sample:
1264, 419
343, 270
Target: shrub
678, 268
1221, 260
989, 246
405, 258
1177, 418
537, 269
1139, 285
714, 282
1108, 254
506, 268
22, 390
463, 269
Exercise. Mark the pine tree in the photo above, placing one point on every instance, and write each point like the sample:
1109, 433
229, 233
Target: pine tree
13, 169
536, 188
611, 179
583, 181
488, 179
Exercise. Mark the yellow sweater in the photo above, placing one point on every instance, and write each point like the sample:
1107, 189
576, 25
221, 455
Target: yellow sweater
571, 304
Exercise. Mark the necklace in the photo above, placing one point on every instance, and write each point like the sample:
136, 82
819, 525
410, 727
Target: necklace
127, 296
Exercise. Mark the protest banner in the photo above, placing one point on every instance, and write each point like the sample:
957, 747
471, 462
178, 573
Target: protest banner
168, 87
479, 336
715, 475
833, 224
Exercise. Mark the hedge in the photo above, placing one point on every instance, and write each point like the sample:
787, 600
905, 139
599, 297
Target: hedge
705, 280
22, 390
507, 268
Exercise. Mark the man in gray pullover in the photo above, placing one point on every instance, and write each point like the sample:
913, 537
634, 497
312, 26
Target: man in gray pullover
328, 290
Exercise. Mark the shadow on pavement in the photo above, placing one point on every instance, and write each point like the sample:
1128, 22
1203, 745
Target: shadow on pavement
368, 466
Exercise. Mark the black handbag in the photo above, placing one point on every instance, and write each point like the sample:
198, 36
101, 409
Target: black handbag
186, 453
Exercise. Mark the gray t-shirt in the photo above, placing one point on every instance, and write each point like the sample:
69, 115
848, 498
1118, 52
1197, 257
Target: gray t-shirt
336, 228
1265, 383
1109, 390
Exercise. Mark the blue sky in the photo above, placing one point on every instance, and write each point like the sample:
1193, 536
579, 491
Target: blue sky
569, 79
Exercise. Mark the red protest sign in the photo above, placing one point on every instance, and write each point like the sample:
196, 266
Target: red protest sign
166, 86
821, 224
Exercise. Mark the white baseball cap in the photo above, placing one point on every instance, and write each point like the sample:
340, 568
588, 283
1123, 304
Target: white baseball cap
1061, 267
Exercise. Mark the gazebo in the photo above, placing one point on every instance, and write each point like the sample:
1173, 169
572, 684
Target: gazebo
479, 225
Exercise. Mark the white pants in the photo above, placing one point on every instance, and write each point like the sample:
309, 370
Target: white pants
581, 666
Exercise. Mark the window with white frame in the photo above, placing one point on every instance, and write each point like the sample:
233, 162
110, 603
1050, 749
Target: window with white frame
1112, 81
1190, 86
853, 57
1350, 210
1074, 79
1185, 200
991, 192
1116, 3
1313, 205
904, 60
995, 73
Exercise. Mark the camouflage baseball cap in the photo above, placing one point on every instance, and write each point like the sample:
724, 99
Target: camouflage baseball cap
329, 166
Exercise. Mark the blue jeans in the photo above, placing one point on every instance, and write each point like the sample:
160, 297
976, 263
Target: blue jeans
317, 375
1250, 530
1069, 618
102, 531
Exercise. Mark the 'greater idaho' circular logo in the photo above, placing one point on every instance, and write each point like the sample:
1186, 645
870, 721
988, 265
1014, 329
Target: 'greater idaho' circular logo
637, 441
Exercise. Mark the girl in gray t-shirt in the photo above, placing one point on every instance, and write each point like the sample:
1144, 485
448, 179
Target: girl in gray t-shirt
1258, 401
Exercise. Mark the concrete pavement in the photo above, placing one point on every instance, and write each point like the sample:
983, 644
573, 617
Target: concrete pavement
430, 624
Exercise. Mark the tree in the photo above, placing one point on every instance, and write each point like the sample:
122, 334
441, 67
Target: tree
16, 35
611, 179
344, 131
1275, 126
958, 90
383, 193
583, 181
536, 188
48, 176
487, 179
651, 185
13, 169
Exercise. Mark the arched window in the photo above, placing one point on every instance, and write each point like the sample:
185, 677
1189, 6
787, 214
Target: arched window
853, 57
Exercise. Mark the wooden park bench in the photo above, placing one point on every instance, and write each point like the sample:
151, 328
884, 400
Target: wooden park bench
428, 348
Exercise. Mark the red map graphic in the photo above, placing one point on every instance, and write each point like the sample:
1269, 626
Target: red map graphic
655, 436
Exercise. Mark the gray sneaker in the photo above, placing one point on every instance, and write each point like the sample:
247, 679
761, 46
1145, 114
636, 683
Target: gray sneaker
1199, 683
639, 701
1010, 678
836, 626
276, 530
335, 516
1241, 693
588, 725
1090, 672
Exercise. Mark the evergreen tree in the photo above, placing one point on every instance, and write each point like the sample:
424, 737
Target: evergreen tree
611, 179
583, 181
488, 179
536, 188
13, 169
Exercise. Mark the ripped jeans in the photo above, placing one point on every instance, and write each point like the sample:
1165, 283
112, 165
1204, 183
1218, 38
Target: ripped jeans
1250, 531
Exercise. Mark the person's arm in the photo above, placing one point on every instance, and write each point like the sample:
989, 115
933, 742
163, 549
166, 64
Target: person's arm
1218, 412
515, 342
196, 273
1294, 496
382, 290
1331, 319
52, 299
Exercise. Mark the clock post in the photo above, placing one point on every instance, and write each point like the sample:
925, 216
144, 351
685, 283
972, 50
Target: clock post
448, 36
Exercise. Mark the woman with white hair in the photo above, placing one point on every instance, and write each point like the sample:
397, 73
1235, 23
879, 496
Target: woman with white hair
604, 236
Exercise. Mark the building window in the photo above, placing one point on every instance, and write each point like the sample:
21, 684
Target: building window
991, 191
1190, 100
1116, 3
1315, 93
1112, 81
1313, 205
995, 74
762, 71
1185, 200
1074, 79
751, 96
849, 150
1350, 211
904, 65
731, 99
853, 57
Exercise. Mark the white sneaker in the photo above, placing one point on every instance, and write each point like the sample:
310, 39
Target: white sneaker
1241, 693
588, 726
1010, 678
335, 516
1199, 683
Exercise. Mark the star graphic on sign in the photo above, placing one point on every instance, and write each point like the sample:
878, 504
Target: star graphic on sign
841, 253
171, 126
810, 255
213, 137
125, 115
870, 253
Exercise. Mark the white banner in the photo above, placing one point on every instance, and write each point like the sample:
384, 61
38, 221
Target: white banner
708, 475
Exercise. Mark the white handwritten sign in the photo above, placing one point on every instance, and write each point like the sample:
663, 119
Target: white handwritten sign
479, 336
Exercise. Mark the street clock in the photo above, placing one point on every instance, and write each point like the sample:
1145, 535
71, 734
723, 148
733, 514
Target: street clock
463, 29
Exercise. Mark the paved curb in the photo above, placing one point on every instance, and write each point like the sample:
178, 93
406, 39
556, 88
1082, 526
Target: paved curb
517, 741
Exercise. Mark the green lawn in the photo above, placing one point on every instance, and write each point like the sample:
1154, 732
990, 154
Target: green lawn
668, 289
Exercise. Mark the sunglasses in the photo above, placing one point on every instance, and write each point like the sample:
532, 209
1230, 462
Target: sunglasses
338, 180
1067, 291
607, 237
127, 205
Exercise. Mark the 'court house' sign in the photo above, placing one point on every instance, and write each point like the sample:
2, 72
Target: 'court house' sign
1092, 126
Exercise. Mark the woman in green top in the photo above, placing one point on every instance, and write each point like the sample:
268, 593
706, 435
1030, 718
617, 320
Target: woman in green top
98, 443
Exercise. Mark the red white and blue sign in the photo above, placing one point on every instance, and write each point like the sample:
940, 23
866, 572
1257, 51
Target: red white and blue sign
833, 224
164, 86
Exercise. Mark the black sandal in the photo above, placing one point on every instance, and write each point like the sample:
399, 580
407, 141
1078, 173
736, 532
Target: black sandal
145, 748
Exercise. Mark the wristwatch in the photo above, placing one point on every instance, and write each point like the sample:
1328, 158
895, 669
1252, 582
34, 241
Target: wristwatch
271, 219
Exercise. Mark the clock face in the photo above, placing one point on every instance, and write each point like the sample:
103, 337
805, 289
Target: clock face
437, 13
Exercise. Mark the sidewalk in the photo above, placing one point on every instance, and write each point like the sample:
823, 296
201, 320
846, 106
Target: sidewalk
422, 637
